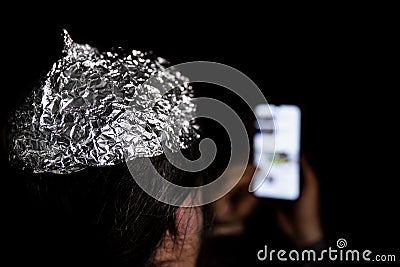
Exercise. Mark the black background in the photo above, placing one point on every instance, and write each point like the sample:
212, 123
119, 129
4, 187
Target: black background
339, 68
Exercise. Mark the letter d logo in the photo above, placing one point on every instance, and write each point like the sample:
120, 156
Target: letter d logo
260, 255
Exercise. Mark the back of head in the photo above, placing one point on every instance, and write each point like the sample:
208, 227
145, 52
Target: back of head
78, 202
98, 216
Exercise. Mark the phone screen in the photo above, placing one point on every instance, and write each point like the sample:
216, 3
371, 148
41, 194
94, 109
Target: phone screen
278, 176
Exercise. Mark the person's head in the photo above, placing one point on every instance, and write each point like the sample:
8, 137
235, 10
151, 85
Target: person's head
101, 216
69, 144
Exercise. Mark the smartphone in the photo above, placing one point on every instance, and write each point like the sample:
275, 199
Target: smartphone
278, 174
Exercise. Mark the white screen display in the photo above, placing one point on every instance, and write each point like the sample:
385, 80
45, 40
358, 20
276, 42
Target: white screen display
283, 179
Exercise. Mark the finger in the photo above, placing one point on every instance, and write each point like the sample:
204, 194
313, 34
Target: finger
309, 176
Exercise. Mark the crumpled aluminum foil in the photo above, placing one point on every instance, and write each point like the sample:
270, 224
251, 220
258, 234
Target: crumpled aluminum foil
99, 109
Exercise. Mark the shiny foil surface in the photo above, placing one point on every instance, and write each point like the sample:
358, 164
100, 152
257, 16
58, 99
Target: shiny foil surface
99, 109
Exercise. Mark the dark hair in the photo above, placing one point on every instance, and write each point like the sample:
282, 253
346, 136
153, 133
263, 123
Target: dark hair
98, 216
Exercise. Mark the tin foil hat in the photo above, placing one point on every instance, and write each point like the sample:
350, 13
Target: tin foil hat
99, 109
